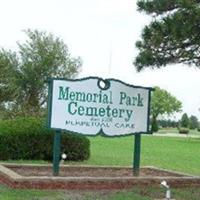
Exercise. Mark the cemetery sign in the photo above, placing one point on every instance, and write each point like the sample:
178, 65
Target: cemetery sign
92, 105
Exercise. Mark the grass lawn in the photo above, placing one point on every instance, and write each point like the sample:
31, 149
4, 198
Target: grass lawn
168, 130
134, 194
180, 154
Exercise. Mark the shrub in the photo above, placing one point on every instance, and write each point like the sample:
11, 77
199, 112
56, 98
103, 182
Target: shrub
183, 130
29, 138
154, 125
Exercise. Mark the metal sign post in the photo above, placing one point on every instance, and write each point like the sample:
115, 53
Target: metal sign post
136, 161
56, 152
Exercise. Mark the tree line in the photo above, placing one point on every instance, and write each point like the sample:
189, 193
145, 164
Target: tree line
185, 122
189, 122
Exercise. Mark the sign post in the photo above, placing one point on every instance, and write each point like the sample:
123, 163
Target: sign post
56, 152
93, 105
136, 162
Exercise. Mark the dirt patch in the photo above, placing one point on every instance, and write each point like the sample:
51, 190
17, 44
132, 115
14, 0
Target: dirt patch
76, 171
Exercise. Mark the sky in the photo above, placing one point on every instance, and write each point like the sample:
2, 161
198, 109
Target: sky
103, 33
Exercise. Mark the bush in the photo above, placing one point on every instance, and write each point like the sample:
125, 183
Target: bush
183, 130
154, 125
30, 139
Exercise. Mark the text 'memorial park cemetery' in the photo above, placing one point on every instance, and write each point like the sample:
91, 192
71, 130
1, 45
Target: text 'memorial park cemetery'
92, 105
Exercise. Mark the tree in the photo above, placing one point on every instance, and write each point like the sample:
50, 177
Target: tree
172, 36
163, 103
193, 122
167, 123
23, 74
8, 67
185, 121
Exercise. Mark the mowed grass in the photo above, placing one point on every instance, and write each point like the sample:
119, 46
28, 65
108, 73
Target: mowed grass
146, 193
23, 194
180, 154
168, 130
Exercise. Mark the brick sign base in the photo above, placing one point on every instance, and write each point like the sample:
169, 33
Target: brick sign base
35, 176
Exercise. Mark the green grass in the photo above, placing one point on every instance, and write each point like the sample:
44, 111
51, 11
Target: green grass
26, 161
168, 130
180, 154
146, 193
20, 194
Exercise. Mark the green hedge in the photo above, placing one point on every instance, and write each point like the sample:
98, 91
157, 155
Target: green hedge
184, 130
30, 139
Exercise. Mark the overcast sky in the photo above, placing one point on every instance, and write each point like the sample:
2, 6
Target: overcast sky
103, 34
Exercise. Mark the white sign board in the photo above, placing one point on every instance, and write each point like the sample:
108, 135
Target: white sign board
92, 105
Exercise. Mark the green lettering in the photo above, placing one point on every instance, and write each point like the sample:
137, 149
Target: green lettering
81, 110
129, 114
80, 96
122, 97
120, 112
140, 101
128, 101
134, 99
102, 112
89, 97
72, 96
115, 112
70, 108
91, 111
105, 99
63, 94
95, 97
108, 111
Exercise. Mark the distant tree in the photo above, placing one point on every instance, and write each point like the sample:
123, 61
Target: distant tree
163, 103
167, 123
23, 74
172, 36
193, 122
184, 121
